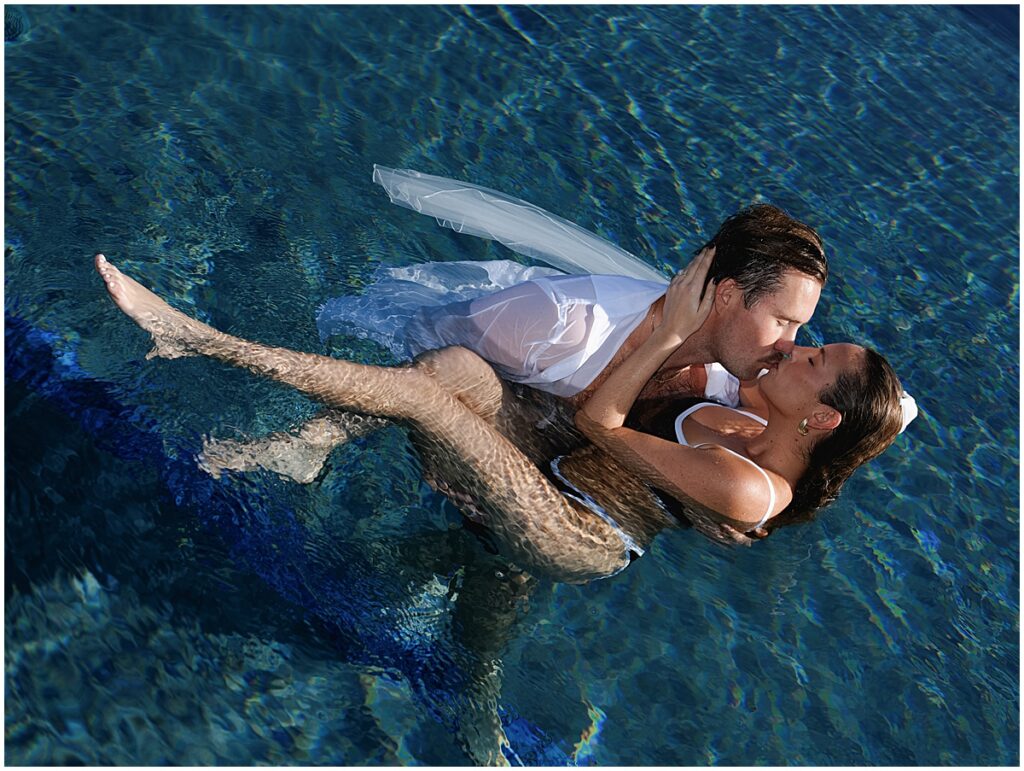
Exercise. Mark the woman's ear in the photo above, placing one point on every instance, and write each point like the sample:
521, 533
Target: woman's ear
825, 418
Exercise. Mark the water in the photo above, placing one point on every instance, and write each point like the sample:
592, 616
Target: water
223, 155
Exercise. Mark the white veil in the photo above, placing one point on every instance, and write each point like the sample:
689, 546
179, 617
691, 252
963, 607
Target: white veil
522, 227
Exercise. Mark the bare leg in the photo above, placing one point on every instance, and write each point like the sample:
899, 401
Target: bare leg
539, 529
487, 608
298, 455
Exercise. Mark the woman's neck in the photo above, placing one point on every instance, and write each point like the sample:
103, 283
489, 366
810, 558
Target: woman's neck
780, 449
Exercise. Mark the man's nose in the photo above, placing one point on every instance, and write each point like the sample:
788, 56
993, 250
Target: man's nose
801, 351
786, 343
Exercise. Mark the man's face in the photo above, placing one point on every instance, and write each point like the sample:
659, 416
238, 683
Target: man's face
755, 338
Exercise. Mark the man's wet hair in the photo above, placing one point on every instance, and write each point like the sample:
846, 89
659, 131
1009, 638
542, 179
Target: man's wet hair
758, 244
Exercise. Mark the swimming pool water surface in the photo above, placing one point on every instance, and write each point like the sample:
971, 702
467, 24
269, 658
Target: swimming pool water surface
222, 155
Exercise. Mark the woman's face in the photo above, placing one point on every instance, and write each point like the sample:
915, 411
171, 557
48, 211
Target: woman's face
793, 385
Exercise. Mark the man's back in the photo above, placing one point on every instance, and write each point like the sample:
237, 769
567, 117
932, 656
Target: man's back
556, 334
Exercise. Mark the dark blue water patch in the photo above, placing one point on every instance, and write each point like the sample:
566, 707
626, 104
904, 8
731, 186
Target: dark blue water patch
16, 24
1001, 21
530, 746
200, 538
62, 431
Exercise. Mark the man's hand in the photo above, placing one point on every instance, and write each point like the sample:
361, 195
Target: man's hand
687, 305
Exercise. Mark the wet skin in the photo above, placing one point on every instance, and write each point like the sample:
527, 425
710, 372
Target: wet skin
457, 409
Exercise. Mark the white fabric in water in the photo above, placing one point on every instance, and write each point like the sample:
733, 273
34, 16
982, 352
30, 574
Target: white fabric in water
522, 227
536, 326
555, 334
394, 295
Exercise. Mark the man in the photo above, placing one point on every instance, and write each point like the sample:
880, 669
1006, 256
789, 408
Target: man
565, 334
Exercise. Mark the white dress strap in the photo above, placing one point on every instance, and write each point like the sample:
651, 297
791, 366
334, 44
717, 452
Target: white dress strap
682, 440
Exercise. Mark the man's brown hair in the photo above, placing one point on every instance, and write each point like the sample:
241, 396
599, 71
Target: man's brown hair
758, 244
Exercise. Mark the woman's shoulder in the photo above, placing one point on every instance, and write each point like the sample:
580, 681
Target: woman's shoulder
747, 495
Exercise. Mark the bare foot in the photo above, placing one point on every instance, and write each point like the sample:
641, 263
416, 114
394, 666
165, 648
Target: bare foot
172, 330
282, 453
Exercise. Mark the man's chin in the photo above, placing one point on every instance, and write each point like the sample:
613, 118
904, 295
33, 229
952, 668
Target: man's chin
747, 373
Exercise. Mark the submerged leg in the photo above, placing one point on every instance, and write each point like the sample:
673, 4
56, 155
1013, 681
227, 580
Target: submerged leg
486, 611
538, 528
298, 455
301, 454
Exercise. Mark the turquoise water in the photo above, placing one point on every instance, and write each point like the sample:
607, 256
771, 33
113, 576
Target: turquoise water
223, 156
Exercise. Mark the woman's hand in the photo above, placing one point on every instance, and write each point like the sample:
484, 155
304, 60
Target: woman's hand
682, 315
685, 310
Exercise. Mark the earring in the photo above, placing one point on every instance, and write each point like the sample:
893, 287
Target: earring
802, 427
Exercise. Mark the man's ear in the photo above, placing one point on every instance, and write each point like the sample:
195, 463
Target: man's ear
727, 293
825, 418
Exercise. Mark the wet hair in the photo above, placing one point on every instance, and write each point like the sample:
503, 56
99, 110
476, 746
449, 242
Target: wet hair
868, 398
758, 244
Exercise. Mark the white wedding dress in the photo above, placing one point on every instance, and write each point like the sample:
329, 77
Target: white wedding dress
537, 326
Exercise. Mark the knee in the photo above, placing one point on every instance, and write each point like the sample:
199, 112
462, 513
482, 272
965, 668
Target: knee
444, 363
465, 376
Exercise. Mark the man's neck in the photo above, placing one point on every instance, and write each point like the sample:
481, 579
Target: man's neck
696, 349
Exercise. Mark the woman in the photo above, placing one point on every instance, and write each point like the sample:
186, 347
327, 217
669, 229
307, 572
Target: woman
559, 526
829, 410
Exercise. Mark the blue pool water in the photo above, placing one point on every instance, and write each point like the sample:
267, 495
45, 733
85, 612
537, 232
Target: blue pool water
223, 156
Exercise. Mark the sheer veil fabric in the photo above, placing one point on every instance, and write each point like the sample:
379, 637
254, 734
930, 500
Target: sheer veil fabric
555, 333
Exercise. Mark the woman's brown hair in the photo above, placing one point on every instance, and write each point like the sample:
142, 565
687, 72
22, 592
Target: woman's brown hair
868, 398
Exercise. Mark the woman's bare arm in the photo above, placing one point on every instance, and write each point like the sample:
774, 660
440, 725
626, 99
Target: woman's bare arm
685, 312
710, 477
